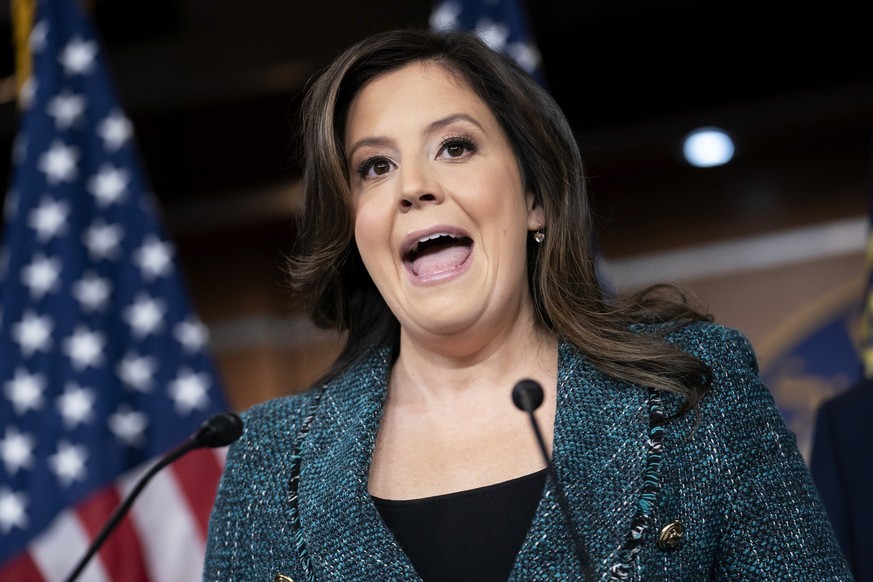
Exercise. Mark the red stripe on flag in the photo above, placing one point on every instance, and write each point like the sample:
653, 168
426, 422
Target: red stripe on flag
198, 474
121, 553
20, 569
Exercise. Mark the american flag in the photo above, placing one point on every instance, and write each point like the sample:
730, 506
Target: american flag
502, 24
104, 367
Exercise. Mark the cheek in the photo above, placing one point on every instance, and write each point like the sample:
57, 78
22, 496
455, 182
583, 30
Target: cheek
501, 189
372, 230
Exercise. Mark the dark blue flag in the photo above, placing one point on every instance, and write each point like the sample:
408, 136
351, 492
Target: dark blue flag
103, 365
502, 24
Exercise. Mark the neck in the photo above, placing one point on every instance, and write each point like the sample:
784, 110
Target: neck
431, 374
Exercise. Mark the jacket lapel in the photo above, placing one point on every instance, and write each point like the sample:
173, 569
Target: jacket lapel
600, 453
345, 536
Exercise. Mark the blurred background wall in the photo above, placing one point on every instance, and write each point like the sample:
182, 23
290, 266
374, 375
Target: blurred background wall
773, 243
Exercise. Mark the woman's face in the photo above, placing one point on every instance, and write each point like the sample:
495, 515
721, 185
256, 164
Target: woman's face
441, 216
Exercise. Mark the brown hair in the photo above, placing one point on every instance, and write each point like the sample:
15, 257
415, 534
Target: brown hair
326, 269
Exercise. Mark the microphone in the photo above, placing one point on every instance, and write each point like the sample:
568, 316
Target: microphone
527, 395
217, 431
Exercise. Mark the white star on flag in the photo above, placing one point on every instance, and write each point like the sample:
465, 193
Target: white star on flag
25, 390
153, 257
67, 109
192, 334
92, 291
129, 425
16, 449
189, 390
42, 275
68, 463
102, 240
115, 130
33, 333
145, 316
85, 348
108, 184
137, 371
445, 16
493, 33
525, 54
49, 219
59, 163
76, 405
78, 56
12, 513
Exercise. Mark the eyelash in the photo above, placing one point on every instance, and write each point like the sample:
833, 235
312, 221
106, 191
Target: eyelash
460, 140
368, 163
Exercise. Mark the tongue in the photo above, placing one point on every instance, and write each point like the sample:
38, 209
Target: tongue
437, 261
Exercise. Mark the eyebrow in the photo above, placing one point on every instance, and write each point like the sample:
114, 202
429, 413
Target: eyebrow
431, 127
367, 141
450, 119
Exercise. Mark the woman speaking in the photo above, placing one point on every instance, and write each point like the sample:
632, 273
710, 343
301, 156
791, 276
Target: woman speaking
446, 232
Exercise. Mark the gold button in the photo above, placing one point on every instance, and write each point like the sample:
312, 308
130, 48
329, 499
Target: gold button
671, 534
283, 578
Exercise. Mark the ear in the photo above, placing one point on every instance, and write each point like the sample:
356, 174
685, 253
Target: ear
535, 215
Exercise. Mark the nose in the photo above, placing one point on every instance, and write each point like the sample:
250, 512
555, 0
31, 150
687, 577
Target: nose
419, 186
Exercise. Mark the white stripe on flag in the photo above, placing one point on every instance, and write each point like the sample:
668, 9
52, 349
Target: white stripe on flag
221, 456
166, 528
58, 550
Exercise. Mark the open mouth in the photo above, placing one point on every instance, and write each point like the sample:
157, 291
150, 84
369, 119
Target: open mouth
437, 253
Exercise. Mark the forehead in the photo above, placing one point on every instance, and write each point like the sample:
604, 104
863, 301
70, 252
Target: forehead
418, 90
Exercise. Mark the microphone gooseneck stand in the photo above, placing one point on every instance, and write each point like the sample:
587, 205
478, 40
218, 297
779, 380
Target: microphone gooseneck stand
218, 431
527, 395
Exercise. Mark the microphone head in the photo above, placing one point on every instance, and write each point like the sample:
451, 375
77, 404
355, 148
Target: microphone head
527, 395
219, 430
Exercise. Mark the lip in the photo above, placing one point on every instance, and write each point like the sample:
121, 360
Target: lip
412, 239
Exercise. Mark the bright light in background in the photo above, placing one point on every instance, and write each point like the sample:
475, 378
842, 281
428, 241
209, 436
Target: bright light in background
707, 147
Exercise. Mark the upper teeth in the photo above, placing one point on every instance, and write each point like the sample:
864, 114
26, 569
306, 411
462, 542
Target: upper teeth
435, 235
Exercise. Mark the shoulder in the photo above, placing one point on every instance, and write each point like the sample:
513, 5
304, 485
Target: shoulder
248, 521
717, 345
269, 428
733, 367
277, 415
738, 409
725, 350
329, 405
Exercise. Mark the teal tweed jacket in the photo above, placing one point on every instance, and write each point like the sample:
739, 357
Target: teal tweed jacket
293, 498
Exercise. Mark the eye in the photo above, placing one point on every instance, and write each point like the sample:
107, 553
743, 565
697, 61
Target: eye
374, 167
457, 147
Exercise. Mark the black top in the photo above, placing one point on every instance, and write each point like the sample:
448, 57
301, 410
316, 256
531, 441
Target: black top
471, 535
